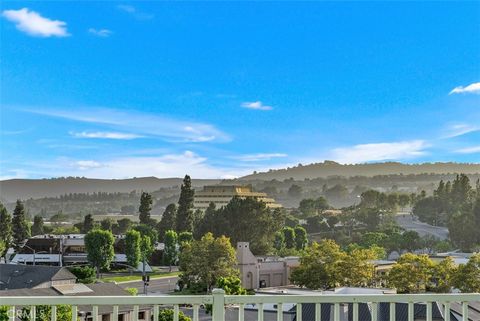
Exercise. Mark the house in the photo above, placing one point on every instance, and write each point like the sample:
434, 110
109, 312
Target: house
85, 312
17, 276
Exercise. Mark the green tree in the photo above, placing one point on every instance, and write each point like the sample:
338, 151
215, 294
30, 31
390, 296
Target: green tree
107, 224
184, 238
84, 274
467, 277
20, 227
411, 274
185, 206
279, 242
355, 268
301, 239
319, 266
207, 223
171, 250
249, 220
168, 221
88, 224
167, 315
99, 247
289, 237
123, 226
442, 276
5, 229
133, 241
145, 208
204, 262
149, 231
295, 191
37, 227
232, 285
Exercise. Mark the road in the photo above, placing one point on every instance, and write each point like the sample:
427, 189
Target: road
157, 286
406, 221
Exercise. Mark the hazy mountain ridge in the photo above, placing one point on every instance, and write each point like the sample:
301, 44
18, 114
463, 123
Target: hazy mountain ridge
12, 189
330, 168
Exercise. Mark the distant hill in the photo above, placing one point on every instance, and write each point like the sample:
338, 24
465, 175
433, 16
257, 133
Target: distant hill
12, 189
330, 168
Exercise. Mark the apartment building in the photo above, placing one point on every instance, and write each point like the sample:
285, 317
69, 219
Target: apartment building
221, 195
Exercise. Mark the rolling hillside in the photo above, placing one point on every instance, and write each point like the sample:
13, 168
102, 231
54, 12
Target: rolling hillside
330, 168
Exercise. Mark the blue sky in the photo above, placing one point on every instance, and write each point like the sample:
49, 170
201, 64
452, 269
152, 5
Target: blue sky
128, 89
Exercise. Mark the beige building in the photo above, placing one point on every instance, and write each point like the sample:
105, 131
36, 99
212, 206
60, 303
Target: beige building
220, 195
262, 272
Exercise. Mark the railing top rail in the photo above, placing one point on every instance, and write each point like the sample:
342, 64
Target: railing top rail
352, 298
107, 300
237, 299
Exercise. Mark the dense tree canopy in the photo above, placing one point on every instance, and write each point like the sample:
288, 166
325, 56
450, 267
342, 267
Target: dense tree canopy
203, 262
246, 220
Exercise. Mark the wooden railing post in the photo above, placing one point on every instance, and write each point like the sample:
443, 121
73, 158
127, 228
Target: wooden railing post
218, 309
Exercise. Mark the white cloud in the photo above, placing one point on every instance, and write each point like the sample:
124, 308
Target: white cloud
100, 32
86, 164
469, 150
137, 14
34, 24
170, 129
379, 152
460, 129
105, 135
260, 157
473, 88
258, 105
169, 165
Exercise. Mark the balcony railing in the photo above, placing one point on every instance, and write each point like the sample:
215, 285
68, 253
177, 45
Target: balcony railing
220, 302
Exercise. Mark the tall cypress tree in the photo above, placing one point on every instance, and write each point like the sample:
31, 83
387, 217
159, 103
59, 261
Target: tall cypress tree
185, 215
168, 221
5, 228
21, 229
145, 208
88, 223
37, 227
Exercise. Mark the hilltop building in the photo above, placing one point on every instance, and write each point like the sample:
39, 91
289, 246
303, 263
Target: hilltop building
221, 195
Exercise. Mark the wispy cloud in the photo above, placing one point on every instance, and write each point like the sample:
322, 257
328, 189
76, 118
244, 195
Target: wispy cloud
134, 12
86, 164
470, 89
105, 135
260, 157
138, 123
460, 129
258, 105
33, 24
379, 152
468, 150
169, 165
100, 32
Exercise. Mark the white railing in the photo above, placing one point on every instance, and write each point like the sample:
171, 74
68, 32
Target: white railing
220, 301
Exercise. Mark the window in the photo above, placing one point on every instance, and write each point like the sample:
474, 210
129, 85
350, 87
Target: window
141, 315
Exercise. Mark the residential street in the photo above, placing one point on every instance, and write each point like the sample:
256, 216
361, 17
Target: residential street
157, 286
406, 221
